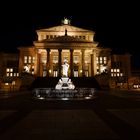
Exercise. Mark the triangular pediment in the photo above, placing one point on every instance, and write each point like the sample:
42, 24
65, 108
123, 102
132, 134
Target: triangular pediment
62, 28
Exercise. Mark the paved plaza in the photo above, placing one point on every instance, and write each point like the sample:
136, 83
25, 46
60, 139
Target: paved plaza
113, 115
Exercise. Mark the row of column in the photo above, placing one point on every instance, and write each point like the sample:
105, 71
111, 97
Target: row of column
60, 62
71, 63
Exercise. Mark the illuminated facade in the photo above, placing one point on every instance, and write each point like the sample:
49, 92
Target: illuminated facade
86, 58
55, 44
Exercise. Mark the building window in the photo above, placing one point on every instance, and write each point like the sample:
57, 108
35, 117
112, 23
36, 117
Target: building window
47, 36
76, 59
29, 59
84, 37
7, 69
116, 72
33, 59
75, 73
25, 59
101, 60
9, 72
44, 73
55, 59
105, 60
86, 73
55, 73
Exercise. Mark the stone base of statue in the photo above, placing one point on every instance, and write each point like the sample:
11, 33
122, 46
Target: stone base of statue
64, 83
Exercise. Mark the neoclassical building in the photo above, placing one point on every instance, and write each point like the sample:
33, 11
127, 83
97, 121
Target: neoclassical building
86, 58
55, 44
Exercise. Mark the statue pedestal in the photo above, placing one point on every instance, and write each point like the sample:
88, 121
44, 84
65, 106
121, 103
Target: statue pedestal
64, 83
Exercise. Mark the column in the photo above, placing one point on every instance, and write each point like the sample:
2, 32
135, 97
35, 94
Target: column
94, 63
59, 62
92, 70
38, 62
83, 62
48, 61
71, 62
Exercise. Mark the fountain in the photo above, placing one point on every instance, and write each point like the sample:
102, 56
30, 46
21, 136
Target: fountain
64, 89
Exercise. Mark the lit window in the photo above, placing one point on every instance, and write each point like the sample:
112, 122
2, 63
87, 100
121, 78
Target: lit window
17, 74
115, 74
105, 58
11, 70
25, 59
6, 83
105, 61
118, 70
7, 74
118, 74
29, 59
111, 74
101, 61
121, 74
111, 70
33, 59
7, 70
96, 58
75, 73
14, 74
11, 74
114, 70
101, 58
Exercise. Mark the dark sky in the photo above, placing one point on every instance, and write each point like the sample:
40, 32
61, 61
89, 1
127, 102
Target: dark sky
116, 24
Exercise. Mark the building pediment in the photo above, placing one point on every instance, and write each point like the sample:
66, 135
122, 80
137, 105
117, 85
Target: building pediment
62, 28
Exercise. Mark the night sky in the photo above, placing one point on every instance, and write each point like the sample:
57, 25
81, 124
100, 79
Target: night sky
116, 24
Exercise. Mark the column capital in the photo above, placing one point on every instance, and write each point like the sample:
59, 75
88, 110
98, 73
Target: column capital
48, 49
60, 50
83, 50
71, 50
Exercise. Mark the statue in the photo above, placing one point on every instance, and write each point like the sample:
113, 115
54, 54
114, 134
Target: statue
65, 68
65, 82
27, 68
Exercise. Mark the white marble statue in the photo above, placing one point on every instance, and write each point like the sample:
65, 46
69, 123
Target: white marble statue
65, 67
